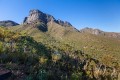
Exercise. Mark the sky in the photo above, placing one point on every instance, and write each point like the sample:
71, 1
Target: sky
100, 14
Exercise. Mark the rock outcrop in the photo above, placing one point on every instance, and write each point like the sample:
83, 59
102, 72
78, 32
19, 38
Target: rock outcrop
63, 23
36, 15
8, 23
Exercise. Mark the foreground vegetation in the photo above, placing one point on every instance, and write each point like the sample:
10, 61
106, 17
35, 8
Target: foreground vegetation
32, 60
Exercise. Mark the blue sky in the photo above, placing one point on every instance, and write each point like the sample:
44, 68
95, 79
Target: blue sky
101, 14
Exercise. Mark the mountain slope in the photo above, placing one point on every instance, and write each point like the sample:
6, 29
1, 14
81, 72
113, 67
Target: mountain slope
58, 60
95, 45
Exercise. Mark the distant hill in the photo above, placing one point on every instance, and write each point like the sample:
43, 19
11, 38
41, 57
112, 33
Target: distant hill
8, 23
100, 32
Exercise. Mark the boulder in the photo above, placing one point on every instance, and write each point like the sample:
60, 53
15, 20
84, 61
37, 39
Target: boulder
5, 74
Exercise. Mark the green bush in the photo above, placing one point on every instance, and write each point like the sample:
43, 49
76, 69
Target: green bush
76, 76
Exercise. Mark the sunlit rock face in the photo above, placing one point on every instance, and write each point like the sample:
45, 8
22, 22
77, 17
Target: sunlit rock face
36, 15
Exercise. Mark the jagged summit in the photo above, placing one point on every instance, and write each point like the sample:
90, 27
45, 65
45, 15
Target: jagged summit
37, 15
7, 23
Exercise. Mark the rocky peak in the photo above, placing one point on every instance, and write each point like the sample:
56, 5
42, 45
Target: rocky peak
8, 23
36, 15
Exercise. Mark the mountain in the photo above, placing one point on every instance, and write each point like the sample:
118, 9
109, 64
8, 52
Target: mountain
8, 23
45, 48
36, 15
47, 20
100, 32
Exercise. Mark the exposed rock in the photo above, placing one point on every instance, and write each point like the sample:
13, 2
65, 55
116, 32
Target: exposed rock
25, 19
42, 27
8, 23
63, 23
36, 15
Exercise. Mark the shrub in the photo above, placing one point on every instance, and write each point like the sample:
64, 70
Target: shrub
76, 76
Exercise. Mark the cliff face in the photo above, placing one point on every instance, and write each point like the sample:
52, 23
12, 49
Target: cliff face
8, 23
36, 15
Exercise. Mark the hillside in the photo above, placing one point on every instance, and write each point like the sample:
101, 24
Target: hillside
48, 59
59, 50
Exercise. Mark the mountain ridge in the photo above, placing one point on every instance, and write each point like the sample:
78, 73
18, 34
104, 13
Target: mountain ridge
7, 23
37, 15
100, 32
